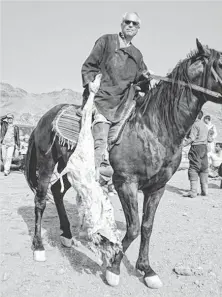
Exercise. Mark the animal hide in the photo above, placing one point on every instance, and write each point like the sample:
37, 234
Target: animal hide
95, 209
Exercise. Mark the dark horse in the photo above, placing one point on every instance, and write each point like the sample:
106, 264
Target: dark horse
147, 157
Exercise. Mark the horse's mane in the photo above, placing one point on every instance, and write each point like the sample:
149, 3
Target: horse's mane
165, 97
168, 93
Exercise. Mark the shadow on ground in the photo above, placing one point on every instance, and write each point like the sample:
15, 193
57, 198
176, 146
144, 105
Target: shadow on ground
79, 261
176, 190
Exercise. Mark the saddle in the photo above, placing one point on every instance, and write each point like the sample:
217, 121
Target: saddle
67, 125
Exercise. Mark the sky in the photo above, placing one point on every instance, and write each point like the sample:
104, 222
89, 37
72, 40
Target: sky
45, 43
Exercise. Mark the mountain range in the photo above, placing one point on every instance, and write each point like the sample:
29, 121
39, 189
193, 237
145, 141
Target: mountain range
29, 107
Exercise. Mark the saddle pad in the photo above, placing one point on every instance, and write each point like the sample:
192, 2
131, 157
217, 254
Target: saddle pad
67, 125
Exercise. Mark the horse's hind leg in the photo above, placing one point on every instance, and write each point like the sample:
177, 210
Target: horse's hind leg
45, 173
128, 196
150, 205
66, 235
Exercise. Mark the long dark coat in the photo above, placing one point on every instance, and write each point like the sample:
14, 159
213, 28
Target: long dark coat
120, 68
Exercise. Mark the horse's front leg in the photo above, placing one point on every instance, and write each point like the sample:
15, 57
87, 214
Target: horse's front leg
150, 205
128, 196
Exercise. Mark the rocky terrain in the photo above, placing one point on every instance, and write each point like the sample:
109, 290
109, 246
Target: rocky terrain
28, 107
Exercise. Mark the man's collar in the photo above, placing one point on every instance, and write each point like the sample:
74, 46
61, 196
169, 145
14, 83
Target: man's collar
122, 37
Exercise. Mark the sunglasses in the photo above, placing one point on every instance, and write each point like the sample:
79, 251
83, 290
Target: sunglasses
128, 22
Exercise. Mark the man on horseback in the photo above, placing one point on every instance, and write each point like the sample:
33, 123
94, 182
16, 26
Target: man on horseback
123, 73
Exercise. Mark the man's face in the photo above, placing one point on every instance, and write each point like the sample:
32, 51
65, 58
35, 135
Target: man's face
130, 25
207, 120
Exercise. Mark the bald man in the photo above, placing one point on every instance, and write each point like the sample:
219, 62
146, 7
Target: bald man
122, 68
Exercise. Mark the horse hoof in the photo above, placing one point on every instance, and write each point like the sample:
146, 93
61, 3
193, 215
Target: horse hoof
39, 256
153, 282
112, 278
66, 241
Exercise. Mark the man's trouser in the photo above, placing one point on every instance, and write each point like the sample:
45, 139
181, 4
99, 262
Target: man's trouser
7, 154
198, 168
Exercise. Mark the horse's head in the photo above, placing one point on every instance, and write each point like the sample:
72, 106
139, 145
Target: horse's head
205, 70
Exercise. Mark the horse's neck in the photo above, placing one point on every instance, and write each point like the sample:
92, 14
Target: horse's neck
173, 121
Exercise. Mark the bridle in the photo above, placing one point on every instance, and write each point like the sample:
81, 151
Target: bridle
213, 71
193, 86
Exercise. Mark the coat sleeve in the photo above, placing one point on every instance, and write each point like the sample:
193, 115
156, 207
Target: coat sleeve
141, 81
91, 66
3, 131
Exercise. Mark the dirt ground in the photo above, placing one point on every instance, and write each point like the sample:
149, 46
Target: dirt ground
186, 232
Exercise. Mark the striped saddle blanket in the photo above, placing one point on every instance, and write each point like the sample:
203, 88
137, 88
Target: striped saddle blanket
67, 125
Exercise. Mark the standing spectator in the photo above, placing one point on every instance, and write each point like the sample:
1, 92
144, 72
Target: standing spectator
212, 133
198, 157
9, 140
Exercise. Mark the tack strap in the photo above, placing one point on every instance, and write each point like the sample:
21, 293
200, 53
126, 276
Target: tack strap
194, 87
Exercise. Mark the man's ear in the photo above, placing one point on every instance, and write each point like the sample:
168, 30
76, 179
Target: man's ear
200, 47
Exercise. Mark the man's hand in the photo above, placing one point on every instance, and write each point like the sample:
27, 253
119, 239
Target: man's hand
94, 85
147, 74
146, 81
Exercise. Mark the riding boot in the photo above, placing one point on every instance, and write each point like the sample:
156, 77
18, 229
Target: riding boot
193, 177
100, 134
204, 183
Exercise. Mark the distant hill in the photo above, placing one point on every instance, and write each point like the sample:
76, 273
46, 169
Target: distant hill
28, 108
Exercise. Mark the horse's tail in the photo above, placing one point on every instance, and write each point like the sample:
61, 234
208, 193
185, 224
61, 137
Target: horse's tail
30, 164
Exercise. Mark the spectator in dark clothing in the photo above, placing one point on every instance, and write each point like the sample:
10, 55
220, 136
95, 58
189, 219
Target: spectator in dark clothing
198, 157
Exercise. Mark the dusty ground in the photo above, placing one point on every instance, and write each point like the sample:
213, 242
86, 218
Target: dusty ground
186, 231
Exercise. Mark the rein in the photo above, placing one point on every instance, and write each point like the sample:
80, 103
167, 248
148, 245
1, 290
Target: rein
192, 86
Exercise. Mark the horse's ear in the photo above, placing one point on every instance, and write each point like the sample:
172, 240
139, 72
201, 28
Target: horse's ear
200, 47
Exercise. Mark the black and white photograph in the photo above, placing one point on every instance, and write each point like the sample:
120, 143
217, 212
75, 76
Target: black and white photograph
111, 148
